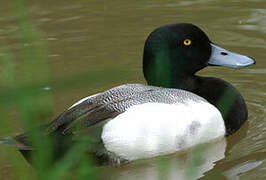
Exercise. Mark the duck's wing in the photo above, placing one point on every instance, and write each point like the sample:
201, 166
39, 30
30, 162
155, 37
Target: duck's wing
97, 109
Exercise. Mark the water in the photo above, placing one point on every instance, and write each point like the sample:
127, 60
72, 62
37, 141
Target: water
106, 38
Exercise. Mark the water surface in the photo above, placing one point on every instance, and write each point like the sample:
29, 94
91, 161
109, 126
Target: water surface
105, 39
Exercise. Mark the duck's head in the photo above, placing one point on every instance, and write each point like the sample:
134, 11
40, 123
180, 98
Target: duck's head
174, 52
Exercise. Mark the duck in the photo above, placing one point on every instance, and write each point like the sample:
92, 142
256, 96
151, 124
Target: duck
176, 110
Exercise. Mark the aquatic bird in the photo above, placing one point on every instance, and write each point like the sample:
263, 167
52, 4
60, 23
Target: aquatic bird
175, 111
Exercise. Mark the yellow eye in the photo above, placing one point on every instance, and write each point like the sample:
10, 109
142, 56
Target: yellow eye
187, 42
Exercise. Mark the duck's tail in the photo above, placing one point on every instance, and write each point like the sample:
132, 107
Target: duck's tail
8, 142
15, 142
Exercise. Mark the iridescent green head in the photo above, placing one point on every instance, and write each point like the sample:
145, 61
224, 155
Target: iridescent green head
174, 52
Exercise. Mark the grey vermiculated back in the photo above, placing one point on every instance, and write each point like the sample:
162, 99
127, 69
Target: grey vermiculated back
122, 97
112, 102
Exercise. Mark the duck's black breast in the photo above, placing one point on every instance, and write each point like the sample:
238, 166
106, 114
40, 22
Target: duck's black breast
226, 98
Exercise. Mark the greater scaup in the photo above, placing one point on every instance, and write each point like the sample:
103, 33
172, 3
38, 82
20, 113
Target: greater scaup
176, 110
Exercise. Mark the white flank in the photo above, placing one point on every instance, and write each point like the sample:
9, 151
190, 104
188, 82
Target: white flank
153, 129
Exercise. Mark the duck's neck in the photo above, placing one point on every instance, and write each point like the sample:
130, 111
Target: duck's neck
219, 93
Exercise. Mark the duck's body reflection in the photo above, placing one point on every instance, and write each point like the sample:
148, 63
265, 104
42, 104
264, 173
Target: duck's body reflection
190, 164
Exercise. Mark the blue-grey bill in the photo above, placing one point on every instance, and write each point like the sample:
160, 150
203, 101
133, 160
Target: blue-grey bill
222, 57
